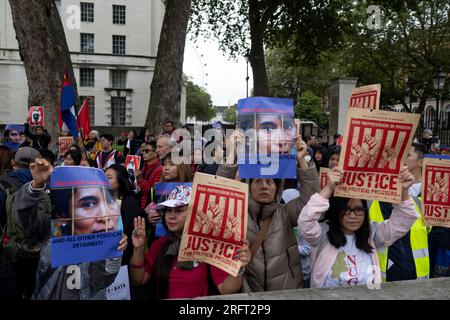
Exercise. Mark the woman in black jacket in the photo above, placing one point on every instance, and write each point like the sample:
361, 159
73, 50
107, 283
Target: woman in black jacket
130, 205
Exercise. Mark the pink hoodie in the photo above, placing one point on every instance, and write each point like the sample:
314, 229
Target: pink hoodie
324, 254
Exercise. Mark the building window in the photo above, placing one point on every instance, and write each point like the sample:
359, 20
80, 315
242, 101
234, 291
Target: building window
91, 104
87, 78
119, 14
87, 11
87, 42
118, 45
118, 78
118, 111
430, 118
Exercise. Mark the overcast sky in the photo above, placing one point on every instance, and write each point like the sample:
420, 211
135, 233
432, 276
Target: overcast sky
223, 78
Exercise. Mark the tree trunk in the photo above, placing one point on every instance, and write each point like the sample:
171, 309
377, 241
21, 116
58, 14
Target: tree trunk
257, 59
44, 52
165, 89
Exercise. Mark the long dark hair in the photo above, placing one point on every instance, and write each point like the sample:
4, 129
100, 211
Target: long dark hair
159, 282
126, 188
338, 206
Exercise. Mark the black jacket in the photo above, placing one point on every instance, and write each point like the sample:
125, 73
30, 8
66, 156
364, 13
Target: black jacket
130, 209
134, 146
39, 142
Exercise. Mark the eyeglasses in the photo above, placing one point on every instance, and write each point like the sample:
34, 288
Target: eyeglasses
357, 211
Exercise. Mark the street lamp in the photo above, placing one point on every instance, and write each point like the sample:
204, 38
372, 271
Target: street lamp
410, 84
438, 84
247, 59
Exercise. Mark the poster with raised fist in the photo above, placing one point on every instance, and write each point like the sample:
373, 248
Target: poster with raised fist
436, 190
36, 116
216, 225
375, 148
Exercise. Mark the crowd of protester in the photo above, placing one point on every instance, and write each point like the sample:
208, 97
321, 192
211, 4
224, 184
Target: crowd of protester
298, 235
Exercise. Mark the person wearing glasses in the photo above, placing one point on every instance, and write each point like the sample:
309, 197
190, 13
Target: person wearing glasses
150, 173
344, 249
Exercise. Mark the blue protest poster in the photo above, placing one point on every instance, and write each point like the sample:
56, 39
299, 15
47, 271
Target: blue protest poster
270, 132
15, 127
86, 224
162, 191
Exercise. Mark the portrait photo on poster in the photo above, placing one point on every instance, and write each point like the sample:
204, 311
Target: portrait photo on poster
269, 128
86, 224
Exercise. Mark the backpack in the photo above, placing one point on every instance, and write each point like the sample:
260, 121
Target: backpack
13, 238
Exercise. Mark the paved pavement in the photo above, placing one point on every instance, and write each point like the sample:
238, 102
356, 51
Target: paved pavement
432, 289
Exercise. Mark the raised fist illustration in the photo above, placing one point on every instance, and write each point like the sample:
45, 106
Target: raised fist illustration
371, 147
388, 156
230, 226
355, 154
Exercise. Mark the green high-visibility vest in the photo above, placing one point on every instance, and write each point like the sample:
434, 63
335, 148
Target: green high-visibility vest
419, 243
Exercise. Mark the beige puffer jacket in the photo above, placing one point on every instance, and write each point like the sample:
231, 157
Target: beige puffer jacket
276, 265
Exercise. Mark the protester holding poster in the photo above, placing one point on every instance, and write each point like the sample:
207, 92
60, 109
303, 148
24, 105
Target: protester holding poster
129, 204
41, 139
345, 250
275, 261
170, 278
33, 212
407, 258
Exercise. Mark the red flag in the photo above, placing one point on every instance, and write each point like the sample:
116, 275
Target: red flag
83, 117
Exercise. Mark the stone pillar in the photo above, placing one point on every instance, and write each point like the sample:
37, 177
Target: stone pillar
340, 92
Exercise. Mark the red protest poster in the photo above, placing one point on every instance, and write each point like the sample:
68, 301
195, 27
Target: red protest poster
132, 162
367, 97
36, 116
216, 225
375, 147
64, 144
435, 191
323, 176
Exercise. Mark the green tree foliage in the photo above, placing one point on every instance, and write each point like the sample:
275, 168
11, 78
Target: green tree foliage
310, 107
290, 78
230, 115
198, 102
246, 27
412, 40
